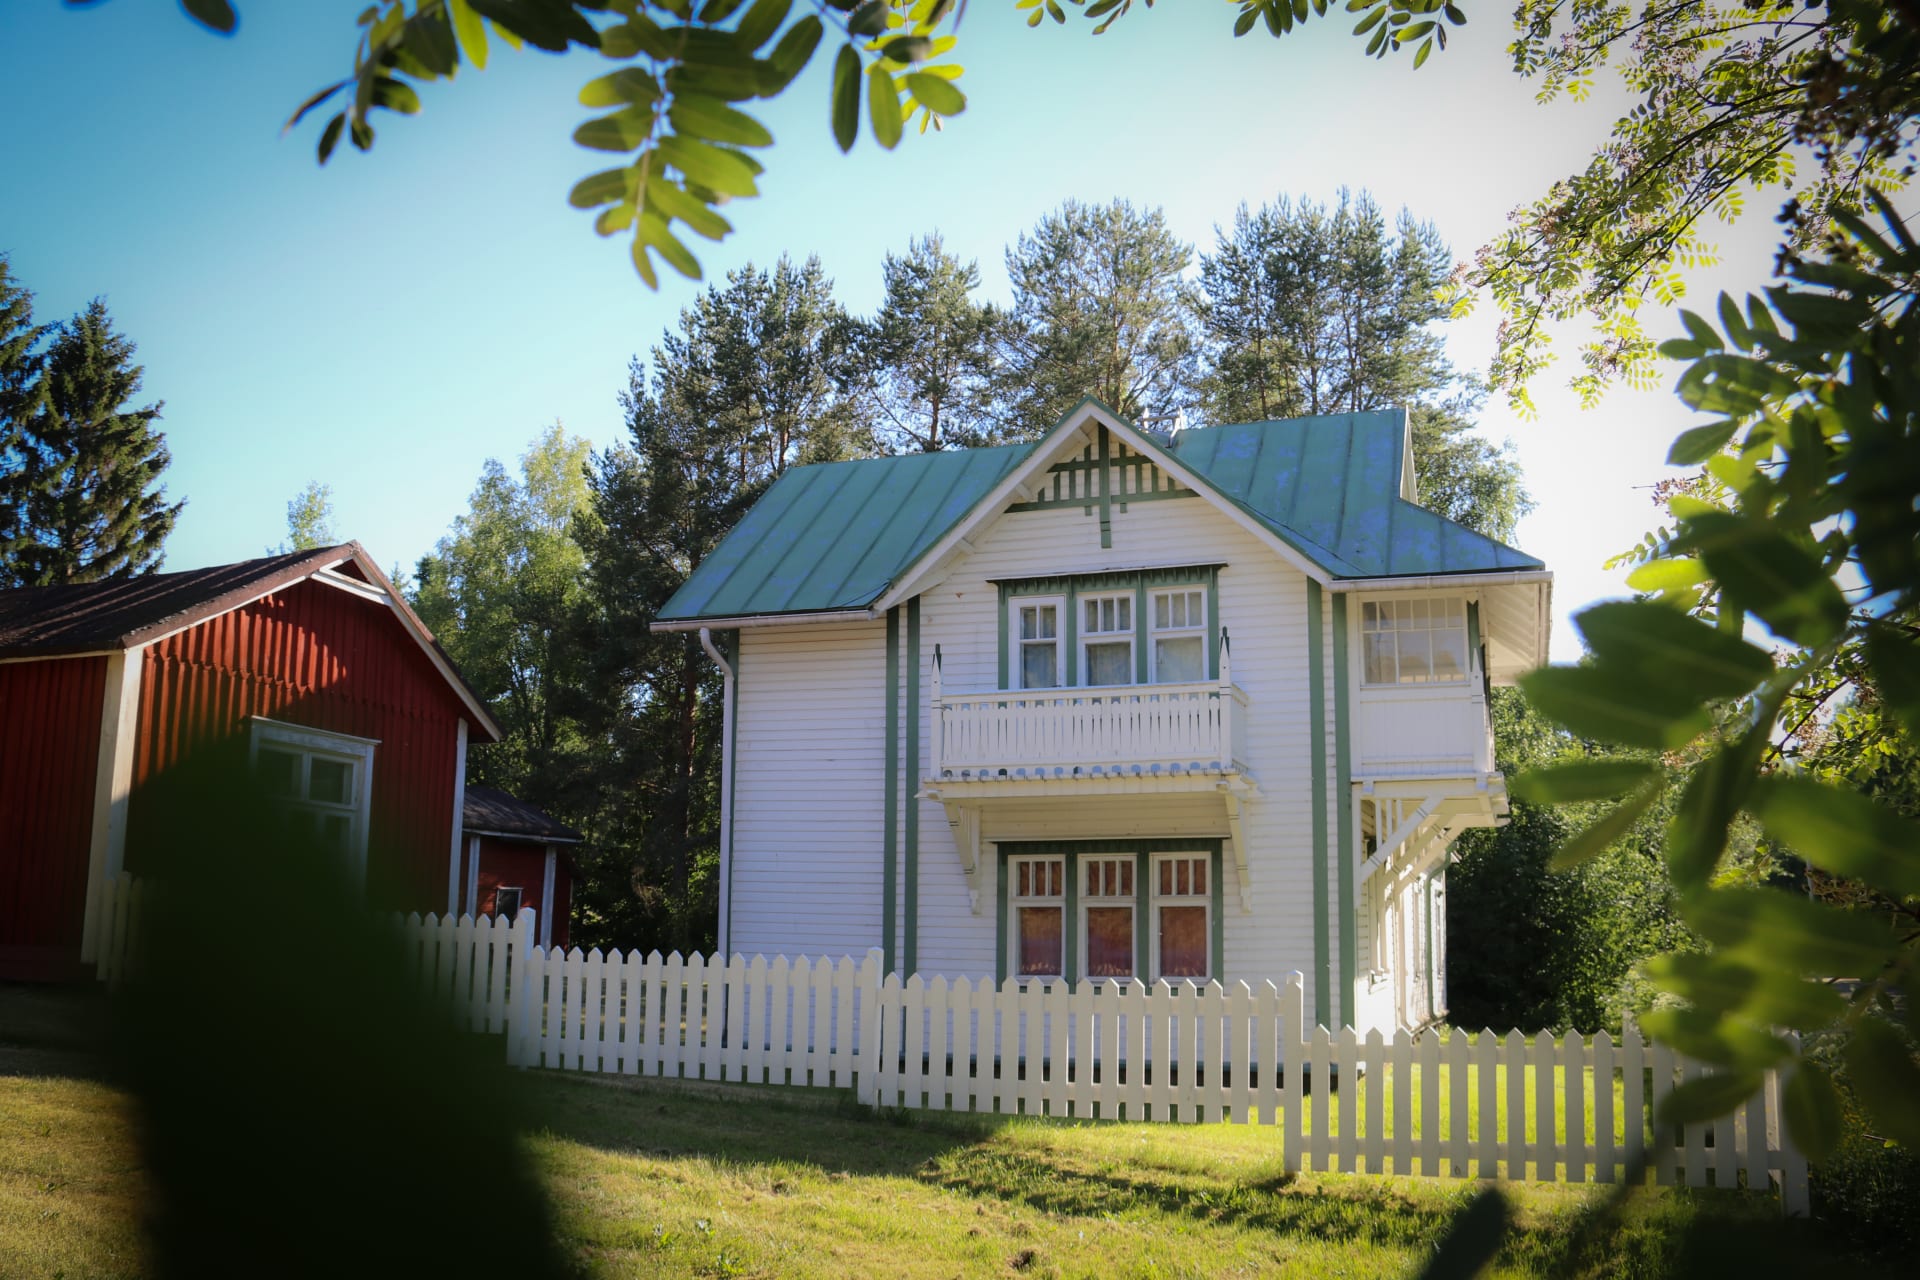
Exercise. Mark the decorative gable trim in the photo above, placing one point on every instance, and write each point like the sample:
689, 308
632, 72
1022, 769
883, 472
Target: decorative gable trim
1031, 481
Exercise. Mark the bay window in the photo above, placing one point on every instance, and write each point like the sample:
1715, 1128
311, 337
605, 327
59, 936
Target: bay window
1414, 640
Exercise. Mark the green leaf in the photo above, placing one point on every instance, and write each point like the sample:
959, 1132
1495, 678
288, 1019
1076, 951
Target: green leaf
652, 230
907, 49
1695, 446
1843, 832
1662, 646
395, 96
1612, 707
1895, 660
672, 201
1789, 932
762, 21
1697, 834
1881, 1065
1584, 780
1715, 1037
471, 31
1709, 1097
1597, 838
716, 122
883, 107
1731, 984
215, 15
1768, 574
936, 94
599, 188
715, 168
621, 131
1811, 1106
870, 19
330, 136
313, 102
795, 49
846, 96
1671, 574
629, 85
717, 11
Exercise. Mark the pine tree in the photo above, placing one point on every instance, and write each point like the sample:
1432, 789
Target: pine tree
1100, 308
926, 361
89, 468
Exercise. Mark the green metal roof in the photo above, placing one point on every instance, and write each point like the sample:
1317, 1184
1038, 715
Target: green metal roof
833, 536
1331, 486
836, 536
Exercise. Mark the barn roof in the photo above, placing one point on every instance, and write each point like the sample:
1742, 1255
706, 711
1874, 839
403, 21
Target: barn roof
130, 613
490, 811
835, 537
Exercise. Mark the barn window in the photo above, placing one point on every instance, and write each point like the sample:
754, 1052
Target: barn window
324, 779
506, 901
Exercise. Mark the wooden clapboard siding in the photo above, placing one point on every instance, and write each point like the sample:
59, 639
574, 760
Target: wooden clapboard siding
49, 752
1263, 606
316, 656
810, 761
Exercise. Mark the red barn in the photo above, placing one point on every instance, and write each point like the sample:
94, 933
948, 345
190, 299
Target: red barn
517, 856
347, 704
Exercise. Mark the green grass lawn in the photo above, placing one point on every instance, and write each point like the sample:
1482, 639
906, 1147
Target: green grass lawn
676, 1180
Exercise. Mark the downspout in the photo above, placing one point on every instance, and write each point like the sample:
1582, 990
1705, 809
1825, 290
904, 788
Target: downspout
726, 786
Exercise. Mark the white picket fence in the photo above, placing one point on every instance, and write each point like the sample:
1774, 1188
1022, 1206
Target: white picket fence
1434, 1104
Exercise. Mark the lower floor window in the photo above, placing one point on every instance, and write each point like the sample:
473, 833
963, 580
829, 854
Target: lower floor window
1110, 915
506, 901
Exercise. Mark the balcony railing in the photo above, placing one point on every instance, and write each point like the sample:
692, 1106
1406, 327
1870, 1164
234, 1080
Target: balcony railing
1423, 730
1147, 729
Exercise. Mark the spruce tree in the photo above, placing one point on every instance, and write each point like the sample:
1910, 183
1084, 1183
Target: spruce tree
19, 392
91, 506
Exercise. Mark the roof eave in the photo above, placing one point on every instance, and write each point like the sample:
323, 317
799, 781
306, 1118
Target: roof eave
736, 621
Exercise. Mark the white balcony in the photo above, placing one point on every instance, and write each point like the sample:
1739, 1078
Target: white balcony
1423, 730
1149, 730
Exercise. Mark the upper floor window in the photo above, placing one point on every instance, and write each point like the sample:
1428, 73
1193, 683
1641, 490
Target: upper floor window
1039, 640
1106, 639
325, 780
1102, 630
1179, 636
1416, 640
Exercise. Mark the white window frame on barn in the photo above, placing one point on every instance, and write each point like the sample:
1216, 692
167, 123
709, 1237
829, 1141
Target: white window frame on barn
1401, 637
308, 746
519, 899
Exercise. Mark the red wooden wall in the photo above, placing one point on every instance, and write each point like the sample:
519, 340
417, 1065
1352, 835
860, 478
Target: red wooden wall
317, 656
49, 751
514, 862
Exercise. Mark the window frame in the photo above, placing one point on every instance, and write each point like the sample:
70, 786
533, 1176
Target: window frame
1203, 899
519, 893
1075, 854
1018, 646
1467, 631
309, 744
1155, 631
1016, 902
1129, 898
1068, 590
1130, 635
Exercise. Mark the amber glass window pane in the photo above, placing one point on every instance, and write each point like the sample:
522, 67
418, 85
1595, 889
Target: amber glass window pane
1040, 938
1183, 942
1110, 942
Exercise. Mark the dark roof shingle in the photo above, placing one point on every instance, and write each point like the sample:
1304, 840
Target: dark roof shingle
492, 811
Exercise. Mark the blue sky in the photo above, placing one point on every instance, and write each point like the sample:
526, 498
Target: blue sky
388, 323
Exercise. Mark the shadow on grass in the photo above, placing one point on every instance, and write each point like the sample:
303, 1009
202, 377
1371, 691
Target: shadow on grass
55, 1030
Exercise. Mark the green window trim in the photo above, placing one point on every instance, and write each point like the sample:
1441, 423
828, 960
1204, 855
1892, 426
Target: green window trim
1143, 851
1142, 582
890, 848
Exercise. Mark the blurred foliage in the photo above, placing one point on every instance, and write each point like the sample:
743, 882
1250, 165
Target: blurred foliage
1537, 947
1814, 392
301, 1112
309, 520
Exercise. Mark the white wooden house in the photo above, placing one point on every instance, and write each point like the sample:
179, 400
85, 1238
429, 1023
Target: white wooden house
1114, 705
